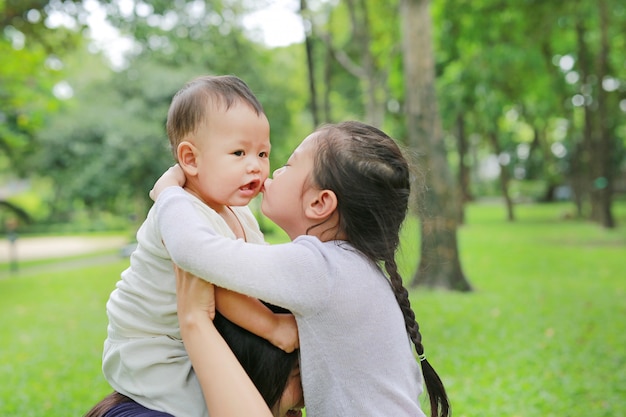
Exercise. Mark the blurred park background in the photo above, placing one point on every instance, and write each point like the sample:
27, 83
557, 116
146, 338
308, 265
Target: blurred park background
511, 111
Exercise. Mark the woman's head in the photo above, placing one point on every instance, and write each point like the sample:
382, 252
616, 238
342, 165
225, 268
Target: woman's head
274, 372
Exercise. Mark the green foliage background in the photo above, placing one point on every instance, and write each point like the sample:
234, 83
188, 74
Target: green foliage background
497, 62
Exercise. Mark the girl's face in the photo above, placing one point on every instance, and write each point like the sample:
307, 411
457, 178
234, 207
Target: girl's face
285, 196
292, 401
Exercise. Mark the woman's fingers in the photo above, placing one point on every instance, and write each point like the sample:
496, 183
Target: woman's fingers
194, 295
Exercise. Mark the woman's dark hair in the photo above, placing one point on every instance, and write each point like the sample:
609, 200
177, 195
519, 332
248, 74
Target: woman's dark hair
107, 403
369, 175
268, 367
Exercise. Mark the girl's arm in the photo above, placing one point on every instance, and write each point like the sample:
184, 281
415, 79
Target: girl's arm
245, 311
291, 275
227, 389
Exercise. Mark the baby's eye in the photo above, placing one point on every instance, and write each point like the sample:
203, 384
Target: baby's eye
238, 153
264, 154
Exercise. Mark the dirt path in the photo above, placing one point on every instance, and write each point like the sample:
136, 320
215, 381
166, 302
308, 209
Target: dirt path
33, 248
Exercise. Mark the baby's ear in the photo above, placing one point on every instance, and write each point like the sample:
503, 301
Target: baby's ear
322, 205
187, 159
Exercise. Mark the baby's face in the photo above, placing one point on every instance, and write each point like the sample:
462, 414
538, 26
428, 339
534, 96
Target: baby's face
232, 158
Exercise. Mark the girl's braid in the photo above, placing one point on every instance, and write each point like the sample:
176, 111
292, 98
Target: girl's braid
439, 404
402, 296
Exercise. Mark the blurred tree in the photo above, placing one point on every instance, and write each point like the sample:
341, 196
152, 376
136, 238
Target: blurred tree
309, 46
595, 25
109, 145
208, 37
354, 49
538, 76
439, 264
32, 50
538, 84
32, 47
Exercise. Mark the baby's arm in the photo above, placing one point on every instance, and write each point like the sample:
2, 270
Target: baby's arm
254, 316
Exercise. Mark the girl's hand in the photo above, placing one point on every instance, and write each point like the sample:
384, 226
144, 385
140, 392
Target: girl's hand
195, 299
174, 176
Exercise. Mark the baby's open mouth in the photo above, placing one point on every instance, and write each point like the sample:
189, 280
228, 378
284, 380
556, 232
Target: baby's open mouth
252, 185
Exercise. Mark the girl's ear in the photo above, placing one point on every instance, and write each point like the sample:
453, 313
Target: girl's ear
322, 206
187, 158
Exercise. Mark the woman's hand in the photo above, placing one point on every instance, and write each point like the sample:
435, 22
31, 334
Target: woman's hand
174, 176
195, 299
227, 389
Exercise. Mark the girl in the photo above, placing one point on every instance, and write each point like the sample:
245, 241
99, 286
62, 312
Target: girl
341, 198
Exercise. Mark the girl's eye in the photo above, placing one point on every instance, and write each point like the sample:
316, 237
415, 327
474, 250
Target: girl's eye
264, 155
238, 153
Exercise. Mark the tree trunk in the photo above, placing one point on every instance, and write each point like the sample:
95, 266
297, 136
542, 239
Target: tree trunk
540, 144
597, 144
577, 178
328, 58
465, 194
602, 166
586, 145
504, 177
365, 70
439, 264
308, 44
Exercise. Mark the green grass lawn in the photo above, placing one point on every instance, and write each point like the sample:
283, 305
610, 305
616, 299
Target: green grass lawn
53, 326
543, 334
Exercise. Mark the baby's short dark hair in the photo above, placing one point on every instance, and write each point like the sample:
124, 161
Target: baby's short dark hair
191, 104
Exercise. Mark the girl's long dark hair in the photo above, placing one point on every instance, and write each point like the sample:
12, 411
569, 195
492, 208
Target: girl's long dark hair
366, 170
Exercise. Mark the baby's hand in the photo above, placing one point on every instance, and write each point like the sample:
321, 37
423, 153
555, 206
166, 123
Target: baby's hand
285, 336
172, 177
